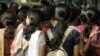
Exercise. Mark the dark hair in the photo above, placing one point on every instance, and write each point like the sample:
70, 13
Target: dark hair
84, 18
14, 4
3, 6
62, 12
48, 12
94, 16
75, 12
24, 7
87, 30
44, 2
58, 34
14, 7
9, 20
22, 14
35, 17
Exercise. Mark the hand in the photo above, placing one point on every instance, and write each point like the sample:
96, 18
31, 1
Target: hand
93, 33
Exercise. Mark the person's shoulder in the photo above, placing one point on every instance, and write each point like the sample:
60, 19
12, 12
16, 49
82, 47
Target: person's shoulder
37, 32
20, 26
75, 33
2, 30
74, 29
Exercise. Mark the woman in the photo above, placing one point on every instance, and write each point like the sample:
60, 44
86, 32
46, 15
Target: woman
22, 15
48, 12
34, 35
72, 42
95, 23
7, 33
55, 33
91, 34
84, 29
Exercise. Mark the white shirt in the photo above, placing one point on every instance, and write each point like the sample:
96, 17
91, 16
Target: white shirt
37, 39
21, 26
18, 37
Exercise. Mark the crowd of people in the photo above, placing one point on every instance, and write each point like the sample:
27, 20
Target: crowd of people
30, 31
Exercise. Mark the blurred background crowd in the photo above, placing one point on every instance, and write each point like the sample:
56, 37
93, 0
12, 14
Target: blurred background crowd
39, 27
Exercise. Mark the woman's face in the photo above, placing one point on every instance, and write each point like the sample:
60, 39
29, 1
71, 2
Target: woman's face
27, 21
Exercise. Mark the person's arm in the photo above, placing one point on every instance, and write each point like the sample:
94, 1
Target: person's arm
95, 45
42, 50
15, 34
81, 47
86, 47
88, 42
76, 50
42, 45
12, 44
77, 37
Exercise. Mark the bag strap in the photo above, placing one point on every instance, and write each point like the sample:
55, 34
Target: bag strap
66, 34
26, 45
23, 47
